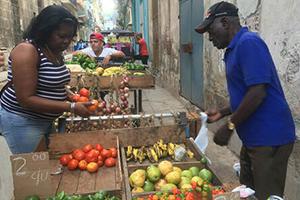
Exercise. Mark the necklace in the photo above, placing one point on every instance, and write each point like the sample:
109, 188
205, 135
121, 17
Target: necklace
54, 58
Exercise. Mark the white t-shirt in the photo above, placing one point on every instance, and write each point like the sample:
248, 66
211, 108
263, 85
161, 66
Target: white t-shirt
105, 52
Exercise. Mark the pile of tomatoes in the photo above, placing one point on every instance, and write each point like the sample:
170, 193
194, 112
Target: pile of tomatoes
84, 96
90, 158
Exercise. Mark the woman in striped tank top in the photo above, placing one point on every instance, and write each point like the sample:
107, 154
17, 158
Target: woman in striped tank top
37, 76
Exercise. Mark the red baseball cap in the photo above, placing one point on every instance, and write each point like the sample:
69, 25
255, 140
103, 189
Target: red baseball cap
98, 36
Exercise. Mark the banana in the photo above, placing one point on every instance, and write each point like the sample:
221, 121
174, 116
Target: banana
149, 155
154, 155
129, 158
129, 151
135, 154
190, 153
141, 154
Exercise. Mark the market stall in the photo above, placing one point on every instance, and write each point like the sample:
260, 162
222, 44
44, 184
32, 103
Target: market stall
137, 149
86, 72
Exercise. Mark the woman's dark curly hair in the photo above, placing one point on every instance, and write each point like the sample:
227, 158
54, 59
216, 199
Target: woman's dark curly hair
47, 21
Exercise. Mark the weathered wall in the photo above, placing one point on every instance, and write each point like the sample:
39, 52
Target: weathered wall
277, 22
167, 36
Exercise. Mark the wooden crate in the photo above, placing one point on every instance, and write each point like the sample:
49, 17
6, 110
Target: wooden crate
105, 82
83, 182
129, 167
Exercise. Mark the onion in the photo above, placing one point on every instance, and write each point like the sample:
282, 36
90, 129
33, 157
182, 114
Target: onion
123, 98
121, 91
126, 89
118, 109
126, 95
112, 107
125, 79
108, 110
122, 86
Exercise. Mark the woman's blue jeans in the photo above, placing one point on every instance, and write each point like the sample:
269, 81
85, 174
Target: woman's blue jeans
22, 134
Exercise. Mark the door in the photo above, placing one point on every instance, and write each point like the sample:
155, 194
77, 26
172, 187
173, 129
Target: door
191, 51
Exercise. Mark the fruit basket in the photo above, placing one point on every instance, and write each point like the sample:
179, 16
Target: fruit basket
78, 181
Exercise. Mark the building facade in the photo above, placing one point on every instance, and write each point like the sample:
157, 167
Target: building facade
178, 52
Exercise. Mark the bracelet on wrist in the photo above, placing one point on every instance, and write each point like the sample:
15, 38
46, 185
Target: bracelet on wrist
72, 107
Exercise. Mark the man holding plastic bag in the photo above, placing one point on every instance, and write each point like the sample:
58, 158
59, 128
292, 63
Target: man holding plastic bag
258, 108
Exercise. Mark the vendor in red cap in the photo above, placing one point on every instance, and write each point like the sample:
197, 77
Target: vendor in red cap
258, 110
97, 49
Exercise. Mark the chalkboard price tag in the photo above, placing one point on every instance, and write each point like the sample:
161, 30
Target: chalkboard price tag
31, 175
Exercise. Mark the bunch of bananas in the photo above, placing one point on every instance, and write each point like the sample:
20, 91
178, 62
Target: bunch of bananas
153, 153
115, 71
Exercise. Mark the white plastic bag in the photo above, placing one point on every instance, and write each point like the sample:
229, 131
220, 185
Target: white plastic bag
202, 138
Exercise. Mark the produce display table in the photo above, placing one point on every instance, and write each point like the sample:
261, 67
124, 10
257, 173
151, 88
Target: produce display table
106, 83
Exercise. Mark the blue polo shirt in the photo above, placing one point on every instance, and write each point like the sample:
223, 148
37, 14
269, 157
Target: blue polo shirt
249, 62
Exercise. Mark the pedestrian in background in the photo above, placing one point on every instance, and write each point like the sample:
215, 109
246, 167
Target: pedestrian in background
35, 93
143, 50
258, 109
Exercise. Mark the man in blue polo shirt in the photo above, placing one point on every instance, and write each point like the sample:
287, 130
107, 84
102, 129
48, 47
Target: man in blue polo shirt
258, 108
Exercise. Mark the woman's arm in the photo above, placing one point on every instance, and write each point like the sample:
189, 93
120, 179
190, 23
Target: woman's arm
24, 68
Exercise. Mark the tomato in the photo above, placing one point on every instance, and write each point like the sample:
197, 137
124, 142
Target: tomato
92, 167
73, 164
82, 165
78, 154
94, 106
99, 147
100, 158
114, 152
75, 97
95, 152
87, 148
83, 99
110, 162
90, 157
100, 163
65, 159
106, 153
84, 92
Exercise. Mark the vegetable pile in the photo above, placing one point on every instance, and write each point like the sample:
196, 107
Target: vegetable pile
90, 158
101, 195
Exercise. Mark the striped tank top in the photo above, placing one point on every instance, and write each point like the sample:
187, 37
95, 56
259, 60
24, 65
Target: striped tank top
51, 85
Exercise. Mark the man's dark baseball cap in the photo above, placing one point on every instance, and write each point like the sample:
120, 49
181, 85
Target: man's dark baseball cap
220, 9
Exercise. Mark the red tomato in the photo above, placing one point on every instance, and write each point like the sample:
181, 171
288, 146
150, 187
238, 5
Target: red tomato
114, 152
95, 152
100, 163
84, 92
99, 147
92, 167
100, 158
87, 148
75, 97
78, 154
110, 162
65, 159
90, 157
94, 106
73, 164
82, 165
83, 99
106, 153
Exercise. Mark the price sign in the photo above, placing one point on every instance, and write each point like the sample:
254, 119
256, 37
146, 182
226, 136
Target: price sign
31, 175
